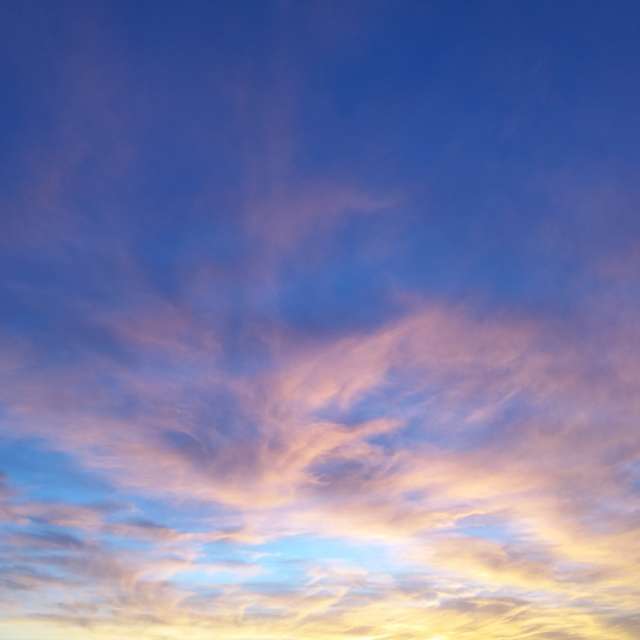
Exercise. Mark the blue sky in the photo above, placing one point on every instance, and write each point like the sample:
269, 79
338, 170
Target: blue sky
319, 320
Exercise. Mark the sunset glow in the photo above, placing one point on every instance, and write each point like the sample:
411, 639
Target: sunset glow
320, 320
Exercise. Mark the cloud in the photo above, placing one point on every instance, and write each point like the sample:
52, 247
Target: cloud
359, 437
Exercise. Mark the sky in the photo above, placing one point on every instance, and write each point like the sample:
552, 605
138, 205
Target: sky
320, 320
